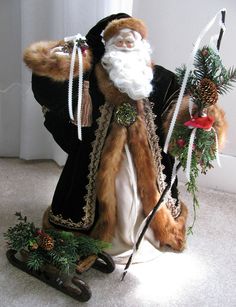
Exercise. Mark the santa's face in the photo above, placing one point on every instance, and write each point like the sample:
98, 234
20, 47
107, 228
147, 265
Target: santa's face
125, 40
127, 61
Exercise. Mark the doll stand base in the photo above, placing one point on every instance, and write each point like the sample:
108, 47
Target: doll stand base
72, 286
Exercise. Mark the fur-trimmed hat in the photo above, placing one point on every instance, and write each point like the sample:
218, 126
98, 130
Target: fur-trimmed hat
115, 26
94, 37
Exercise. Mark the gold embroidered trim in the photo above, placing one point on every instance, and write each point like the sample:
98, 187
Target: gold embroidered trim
67, 223
97, 146
156, 151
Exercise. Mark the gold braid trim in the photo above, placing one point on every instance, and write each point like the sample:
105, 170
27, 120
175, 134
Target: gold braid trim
156, 151
95, 156
59, 220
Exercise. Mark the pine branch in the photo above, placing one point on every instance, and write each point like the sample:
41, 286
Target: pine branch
201, 69
20, 235
203, 153
35, 261
226, 80
180, 72
88, 246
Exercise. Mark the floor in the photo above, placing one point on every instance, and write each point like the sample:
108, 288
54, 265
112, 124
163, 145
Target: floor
204, 274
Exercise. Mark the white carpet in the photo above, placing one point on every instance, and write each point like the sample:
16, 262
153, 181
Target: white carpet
203, 275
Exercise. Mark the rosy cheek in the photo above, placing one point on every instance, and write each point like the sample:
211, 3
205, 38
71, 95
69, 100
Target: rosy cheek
129, 45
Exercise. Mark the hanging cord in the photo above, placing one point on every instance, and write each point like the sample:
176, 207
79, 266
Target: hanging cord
77, 39
176, 166
80, 89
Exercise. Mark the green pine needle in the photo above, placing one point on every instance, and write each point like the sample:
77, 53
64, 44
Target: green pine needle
35, 261
225, 81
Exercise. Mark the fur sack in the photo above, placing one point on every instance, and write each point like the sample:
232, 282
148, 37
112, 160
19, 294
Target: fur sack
43, 60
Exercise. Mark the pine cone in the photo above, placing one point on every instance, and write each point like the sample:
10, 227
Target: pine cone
208, 91
46, 242
33, 246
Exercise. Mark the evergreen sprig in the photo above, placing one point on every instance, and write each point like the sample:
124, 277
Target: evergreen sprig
207, 64
191, 82
225, 80
35, 261
203, 153
19, 236
66, 251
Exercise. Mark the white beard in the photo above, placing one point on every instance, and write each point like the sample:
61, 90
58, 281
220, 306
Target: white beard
129, 69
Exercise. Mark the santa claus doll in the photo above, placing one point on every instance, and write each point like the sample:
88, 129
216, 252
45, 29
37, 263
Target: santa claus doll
115, 175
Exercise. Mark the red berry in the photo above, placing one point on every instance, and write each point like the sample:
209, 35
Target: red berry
181, 143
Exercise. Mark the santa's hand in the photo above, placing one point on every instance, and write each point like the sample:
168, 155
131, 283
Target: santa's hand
60, 50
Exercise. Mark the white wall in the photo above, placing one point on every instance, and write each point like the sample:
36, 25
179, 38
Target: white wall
23, 22
173, 28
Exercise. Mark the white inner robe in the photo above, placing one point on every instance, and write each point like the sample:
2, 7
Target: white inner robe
129, 217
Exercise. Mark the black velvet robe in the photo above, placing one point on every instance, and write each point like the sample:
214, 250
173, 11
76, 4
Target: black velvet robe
68, 200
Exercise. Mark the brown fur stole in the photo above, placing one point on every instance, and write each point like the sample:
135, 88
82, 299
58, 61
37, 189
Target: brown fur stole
105, 184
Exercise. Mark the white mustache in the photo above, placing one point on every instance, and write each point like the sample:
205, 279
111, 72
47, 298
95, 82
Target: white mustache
129, 71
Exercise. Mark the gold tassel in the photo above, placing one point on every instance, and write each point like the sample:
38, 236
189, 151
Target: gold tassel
86, 114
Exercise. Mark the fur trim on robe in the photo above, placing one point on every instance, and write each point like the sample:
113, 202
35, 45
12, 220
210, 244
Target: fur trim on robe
167, 230
105, 182
40, 58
